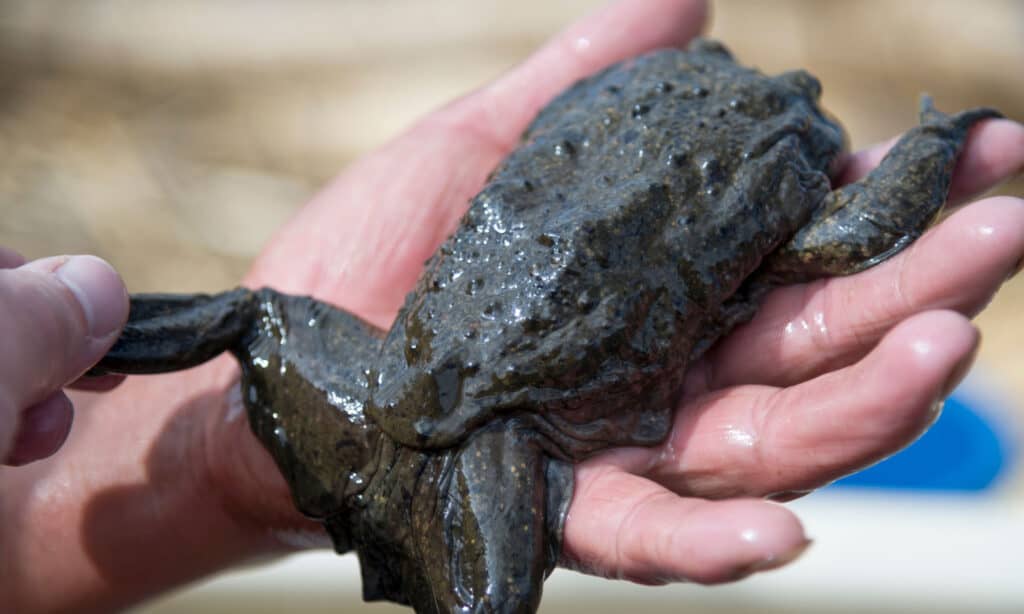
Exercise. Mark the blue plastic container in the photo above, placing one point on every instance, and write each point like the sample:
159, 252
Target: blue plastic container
967, 450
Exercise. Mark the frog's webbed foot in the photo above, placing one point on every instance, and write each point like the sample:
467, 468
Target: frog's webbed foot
170, 332
866, 222
479, 530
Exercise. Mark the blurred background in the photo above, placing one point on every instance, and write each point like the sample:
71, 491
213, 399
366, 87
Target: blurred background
172, 138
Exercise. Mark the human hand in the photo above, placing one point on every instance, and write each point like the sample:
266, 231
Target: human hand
182, 475
61, 315
830, 377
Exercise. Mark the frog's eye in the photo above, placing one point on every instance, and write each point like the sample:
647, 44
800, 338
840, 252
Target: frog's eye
803, 82
709, 47
761, 103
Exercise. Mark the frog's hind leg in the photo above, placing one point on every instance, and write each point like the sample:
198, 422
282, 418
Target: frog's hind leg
866, 222
490, 532
303, 377
304, 384
170, 332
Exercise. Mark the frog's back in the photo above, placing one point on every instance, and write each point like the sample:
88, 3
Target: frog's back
601, 251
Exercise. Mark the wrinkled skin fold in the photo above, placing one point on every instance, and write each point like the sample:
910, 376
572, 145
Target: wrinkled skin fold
647, 211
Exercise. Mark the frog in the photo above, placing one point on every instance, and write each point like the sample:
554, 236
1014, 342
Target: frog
644, 215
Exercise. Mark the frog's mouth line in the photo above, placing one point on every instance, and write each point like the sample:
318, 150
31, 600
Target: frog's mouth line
796, 123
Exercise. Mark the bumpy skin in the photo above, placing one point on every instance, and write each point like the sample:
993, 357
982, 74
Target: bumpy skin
645, 214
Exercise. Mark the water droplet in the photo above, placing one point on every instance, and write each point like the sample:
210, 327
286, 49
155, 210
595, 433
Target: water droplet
677, 160
492, 310
639, 110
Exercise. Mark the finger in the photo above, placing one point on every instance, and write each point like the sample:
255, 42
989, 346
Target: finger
382, 218
60, 315
10, 258
618, 31
803, 331
759, 440
994, 152
42, 430
624, 526
102, 383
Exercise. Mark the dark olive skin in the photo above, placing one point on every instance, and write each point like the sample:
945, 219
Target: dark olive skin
645, 214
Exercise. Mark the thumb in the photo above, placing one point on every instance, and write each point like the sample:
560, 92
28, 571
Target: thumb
59, 316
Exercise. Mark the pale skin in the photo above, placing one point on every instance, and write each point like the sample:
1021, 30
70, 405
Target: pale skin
161, 482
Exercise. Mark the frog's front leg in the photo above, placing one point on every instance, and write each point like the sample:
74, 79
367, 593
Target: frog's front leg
866, 222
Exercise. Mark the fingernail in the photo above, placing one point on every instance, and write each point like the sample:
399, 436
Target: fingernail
787, 495
774, 561
99, 291
42, 430
960, 371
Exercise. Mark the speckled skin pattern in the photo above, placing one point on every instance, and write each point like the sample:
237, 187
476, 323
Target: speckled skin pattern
646, 212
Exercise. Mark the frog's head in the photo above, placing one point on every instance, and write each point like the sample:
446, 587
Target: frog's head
823, 136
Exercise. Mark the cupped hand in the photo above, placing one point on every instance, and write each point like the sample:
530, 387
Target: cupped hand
61, 315
830, 376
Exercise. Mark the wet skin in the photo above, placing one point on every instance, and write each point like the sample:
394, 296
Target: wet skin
645, 214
